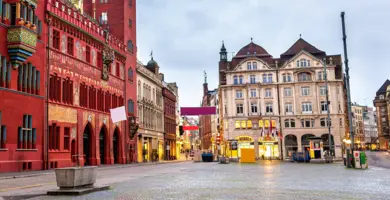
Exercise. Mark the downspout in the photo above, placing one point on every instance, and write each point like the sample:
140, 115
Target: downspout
280, 118
46, 120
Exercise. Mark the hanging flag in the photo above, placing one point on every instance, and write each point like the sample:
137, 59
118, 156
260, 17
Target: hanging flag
118, 114
270, 128
279, 134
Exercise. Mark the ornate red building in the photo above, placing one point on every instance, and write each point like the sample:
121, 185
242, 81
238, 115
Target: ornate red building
61, 71
205, 120
169, 123
22, 69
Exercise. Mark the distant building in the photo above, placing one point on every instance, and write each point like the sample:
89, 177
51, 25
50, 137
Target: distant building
382, 103
150, 138
170, 120
205, 121
370, 128
357, 125
268, 99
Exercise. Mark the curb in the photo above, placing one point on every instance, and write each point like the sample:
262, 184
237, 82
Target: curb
99, 168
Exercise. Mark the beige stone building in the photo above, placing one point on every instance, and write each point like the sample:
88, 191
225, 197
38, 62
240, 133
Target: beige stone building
150, 112
275, 105
358, 124
382, 106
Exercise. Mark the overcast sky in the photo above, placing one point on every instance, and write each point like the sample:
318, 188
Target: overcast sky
186, 36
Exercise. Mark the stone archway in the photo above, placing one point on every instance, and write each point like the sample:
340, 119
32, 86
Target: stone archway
103, 146
290, 144
305, 141
87, 144
116, 145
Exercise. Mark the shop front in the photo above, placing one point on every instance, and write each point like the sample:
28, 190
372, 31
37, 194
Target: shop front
268, 148
244, 142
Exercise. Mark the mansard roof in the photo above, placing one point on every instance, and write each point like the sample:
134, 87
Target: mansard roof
300, 45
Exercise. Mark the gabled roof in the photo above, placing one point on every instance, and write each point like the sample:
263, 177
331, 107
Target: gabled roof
300, 45
383, 88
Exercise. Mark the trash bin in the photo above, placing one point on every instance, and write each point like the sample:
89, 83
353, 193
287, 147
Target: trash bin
207, 157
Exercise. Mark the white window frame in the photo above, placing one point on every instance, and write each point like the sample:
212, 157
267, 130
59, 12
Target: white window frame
254, 65
239, 108
268, 93
324, 107
249, 65
288, 108
253, 93
322, 90
252, 77
307, 108
305, 91
265, 78
269, 108
239, 94
254, 107
287, 92
269, 78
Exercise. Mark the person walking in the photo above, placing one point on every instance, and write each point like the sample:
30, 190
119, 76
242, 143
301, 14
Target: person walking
186, 155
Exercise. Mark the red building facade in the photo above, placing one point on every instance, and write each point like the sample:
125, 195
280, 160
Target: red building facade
169, 124
22, 69
205, 121
61, 73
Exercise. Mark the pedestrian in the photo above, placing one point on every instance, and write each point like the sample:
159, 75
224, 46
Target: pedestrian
186, 155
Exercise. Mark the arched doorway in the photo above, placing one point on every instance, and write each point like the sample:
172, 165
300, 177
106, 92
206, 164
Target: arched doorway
115, 141
291, 144
102, 144
87, 147
305, 141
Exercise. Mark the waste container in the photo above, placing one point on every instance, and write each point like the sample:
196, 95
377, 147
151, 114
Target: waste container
207, 157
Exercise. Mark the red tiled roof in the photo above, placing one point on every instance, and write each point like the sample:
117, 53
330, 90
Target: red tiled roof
253, 49
300, 45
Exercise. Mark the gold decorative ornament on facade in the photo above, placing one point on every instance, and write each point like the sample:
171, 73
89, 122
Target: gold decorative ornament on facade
21, 44
108, 58
62, 114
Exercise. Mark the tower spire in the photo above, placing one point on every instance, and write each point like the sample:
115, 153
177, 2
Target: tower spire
205, 76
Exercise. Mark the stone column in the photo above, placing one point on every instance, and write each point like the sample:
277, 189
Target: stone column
299, 141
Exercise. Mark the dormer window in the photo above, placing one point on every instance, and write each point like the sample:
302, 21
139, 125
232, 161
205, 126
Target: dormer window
381, 96
249, 64
235, 80
241, 79
303, 63
254, 64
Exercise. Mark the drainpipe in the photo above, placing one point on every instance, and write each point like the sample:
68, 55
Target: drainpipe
46, 107
280, 118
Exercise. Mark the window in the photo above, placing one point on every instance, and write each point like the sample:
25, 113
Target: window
381, 96
303, 62
252, 79
249, 64
235, 80
67, 91
130, 46
70, 46
307, 123
240, 108
253, 92
241, 80
28, 77
88, 54
304, 76
130, 106
287, 78
130, 23
238, 94
307, 107
325, 123
322, 91
130, 3
305, 91
308, 63
254, 108
55, 88
288, 107
324, 106
103, 1
3, 134
264, 78
287, 92
268, 92
341, 122
27, 134
268, 108
237, 124
321, 76
83, 95
66, 138
269, 78
117, 69
56, 39
104, 18
289, 123
297, 63
130, 74
254, 65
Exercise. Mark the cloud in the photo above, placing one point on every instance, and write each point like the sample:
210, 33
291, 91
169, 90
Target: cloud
186, 35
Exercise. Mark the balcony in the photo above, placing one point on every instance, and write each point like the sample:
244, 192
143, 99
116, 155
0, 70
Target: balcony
21, 44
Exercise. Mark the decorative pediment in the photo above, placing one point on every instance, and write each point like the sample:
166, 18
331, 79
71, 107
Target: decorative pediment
243, 65
311, 61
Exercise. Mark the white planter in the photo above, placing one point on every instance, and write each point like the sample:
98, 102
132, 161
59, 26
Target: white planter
73, 177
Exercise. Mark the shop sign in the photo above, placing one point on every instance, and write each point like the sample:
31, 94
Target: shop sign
245, 139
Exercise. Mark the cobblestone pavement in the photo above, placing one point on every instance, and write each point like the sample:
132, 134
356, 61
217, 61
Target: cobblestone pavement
264, 180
